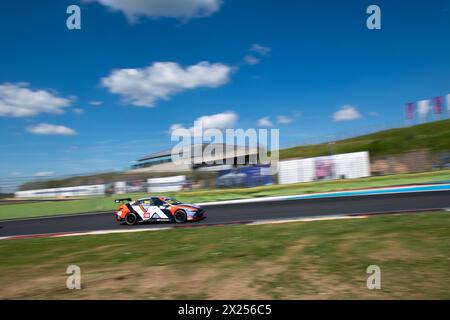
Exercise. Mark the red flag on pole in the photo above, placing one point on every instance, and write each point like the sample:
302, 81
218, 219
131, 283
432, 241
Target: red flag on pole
409, 111
437, 102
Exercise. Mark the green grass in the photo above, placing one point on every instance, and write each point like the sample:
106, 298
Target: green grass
25, 210
434, 136
322, 259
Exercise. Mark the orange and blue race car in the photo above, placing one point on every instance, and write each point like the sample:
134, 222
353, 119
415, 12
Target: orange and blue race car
156, 209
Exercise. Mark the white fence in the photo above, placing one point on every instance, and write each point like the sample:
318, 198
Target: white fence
340, 166
91, 190
175, 183
167, 184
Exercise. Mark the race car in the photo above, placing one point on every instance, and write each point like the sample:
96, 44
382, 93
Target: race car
154, 209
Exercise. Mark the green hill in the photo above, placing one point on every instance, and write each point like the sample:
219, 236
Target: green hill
434, 136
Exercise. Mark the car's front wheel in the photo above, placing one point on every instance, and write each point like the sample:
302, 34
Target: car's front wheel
180, 216
130, 219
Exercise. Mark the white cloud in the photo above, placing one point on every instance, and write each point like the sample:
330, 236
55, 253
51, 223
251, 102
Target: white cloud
95, 103
256, 52
17, 100
144, 86
346, 113
251, 60
221, 121
43, 174
183, 9
284, 120
51, 129
78, 111
175, 126
259, 49
265, 122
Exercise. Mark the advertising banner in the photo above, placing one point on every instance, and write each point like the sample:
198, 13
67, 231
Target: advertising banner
423, 108
448, 102
437, 105
410, 111
251, 176
340, 166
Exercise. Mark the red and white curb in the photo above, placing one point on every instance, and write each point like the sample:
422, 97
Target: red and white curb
86, 233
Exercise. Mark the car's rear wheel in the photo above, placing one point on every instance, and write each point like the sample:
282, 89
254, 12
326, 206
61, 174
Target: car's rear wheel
130, 219
180, 216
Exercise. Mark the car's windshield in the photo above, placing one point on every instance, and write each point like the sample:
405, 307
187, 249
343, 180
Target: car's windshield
172, 201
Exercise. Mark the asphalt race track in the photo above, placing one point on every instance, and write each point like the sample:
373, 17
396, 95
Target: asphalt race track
244, 212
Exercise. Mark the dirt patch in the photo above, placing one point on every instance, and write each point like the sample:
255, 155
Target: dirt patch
154, 282
29, 288
305, 281
392, 250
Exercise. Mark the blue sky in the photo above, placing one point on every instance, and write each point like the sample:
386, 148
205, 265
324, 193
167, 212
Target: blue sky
289, 64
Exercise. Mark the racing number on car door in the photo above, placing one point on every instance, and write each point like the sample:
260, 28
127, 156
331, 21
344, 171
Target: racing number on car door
145, 206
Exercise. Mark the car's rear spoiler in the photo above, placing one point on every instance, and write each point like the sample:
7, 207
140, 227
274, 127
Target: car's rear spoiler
122, 200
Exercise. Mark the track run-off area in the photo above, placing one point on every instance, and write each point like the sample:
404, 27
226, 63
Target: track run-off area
333, 204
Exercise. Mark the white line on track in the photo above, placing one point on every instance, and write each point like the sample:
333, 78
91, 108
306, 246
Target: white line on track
324, 218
